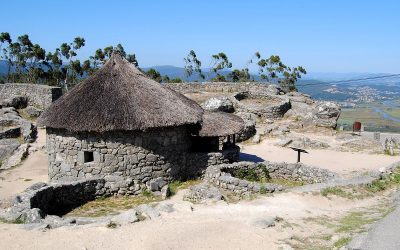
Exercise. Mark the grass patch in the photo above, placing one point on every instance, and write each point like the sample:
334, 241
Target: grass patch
342, 242
354, 222
367, 190
177, 185
112, 205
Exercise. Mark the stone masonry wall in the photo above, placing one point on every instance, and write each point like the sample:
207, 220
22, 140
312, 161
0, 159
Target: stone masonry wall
141, 156
225, 87
40, 96
126, 160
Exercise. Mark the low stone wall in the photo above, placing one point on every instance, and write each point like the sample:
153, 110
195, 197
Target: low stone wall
298, 172
277, 107
40, 96
199, 161
222, 176
226, 87
42, 199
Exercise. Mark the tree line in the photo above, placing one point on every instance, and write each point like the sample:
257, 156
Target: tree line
29, 62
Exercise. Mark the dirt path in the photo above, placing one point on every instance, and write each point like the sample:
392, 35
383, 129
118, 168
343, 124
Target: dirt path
32, 170
336, 161
218, 226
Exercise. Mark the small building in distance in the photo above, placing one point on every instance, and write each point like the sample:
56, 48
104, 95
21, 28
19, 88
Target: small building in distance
122, 126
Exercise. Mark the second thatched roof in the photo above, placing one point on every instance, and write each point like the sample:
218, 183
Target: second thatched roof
220, 124
120, 97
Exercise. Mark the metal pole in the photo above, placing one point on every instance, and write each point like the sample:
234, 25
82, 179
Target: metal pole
298, 156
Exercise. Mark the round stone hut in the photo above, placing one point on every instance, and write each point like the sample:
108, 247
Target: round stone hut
122, 126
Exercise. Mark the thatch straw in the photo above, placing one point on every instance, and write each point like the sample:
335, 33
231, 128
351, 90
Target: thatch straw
120, 97
220, 124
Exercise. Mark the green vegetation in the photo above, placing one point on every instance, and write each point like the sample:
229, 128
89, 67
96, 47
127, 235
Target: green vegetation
371, 120
111, 205
261, 175
177, 185
385, 183
342, 242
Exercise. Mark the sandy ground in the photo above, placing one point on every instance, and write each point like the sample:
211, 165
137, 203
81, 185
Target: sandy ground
32, 170
215, 226
336, 161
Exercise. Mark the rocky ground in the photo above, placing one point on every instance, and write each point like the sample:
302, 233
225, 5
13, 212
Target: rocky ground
17, 130
199, 216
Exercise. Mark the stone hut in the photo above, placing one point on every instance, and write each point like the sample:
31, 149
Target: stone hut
124, 127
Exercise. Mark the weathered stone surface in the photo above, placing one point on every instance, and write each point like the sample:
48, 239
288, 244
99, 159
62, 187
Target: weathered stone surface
147, 211
221, 176
249, 129
7, 147
126, 217
202, 193
37, 95
9, 132
33, 111
17, 102
326, 114
223, 104
16, 158
117, 154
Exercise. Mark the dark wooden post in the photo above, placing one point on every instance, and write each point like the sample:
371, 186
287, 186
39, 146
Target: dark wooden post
234, 139
299, 151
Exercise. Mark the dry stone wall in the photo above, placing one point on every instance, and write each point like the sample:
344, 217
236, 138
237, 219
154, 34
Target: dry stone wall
40, 96
128, 160
117, 155
223, 176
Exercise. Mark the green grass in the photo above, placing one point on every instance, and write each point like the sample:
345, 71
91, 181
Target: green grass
111, 205
354, 222
177, 185
342, 242
385, 183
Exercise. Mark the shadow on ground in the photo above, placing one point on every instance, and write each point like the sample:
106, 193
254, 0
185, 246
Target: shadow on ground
250, 157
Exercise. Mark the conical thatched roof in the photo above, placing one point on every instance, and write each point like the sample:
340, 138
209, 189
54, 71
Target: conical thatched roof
220, 124
120, 97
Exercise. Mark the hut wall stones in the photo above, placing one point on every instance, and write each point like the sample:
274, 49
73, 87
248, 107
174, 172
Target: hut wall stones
40, 96
140, 155
116, 156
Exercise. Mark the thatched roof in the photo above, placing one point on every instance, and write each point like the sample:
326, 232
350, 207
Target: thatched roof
220, 124
120, 97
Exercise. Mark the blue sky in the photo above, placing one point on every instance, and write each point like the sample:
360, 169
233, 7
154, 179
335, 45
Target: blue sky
323, 36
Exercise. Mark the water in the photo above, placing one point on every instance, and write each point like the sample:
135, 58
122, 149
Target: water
389, 104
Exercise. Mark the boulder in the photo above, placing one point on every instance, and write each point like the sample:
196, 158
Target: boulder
7, 147
147, 211
18, 102
33, 111
127, 217
219, 104
18, 156
202, 193
249, 129
326, 114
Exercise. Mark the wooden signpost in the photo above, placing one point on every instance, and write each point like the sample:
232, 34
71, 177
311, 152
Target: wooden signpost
299, 151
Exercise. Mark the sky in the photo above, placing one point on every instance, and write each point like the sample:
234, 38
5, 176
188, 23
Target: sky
323, 36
